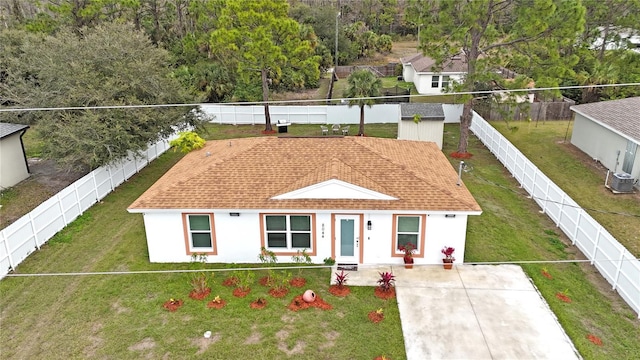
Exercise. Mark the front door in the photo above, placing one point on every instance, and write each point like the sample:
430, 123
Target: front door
347, 241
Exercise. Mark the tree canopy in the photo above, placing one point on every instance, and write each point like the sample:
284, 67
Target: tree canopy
260, 41
362, 85
110, 64
491, 34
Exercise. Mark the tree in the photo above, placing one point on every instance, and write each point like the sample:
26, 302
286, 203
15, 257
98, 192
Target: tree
107, 65
362, 85
528, 34
258, 37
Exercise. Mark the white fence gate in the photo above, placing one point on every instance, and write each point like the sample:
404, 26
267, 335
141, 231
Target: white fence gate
31, 231
616, 264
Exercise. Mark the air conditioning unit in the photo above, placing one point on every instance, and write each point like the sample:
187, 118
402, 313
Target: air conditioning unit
622, 182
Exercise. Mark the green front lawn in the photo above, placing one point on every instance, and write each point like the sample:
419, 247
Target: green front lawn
121, 316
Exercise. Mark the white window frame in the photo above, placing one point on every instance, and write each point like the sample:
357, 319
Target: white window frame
435, 79
418, 233
193, 248
288, 232
446, 81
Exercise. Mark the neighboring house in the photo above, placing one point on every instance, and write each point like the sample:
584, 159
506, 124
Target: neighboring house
13, 160
618, 39
609, 132
355, 199
430, 126
421, 70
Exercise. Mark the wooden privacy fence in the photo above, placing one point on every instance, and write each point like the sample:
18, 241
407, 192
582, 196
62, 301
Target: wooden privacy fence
614, 262
30, 232
525, 111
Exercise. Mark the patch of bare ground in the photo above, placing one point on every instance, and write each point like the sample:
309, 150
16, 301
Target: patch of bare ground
282, 336
203, 343
46, 180
119, 309
255, 336
289, 319
95, 341
143, 345
331, 337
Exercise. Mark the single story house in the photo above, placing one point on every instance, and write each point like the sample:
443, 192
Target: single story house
420, 69
430, 125
609, 132
13, 160
354, 199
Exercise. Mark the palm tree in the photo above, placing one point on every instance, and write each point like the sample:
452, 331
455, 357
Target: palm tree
363, 84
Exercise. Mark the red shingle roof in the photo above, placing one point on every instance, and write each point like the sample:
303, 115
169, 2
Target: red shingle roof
247, 173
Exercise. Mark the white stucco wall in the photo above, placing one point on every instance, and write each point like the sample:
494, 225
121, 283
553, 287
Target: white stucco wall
422, 81
407, 73
13, 168
602, 144
238, 238
426, 130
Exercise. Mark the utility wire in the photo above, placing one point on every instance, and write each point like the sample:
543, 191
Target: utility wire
179, 271
553, 201
483, 92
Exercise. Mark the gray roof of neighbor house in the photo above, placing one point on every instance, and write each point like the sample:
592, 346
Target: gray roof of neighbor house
622, 116
426, 111
423, 63
248, 173
7, 129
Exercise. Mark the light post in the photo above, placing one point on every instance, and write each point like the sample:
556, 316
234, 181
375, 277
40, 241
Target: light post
335, 69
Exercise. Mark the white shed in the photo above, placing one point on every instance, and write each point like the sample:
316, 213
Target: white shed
430, 125
354, 199
609, 132
13, 160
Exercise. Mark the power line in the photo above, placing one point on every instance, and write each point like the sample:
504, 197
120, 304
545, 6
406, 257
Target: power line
182, 271
553, 201
300, 101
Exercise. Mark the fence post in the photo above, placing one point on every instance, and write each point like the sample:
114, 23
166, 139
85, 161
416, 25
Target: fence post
618, 271
546, 198
64, 218
110, 176
595, 246
575, 233
75, 190
35, 232
561, 210
6, 247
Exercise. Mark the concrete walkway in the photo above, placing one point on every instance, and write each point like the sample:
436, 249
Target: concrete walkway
472, 312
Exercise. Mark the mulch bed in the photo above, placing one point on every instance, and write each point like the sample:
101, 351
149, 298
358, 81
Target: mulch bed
298, 282
375, 317
594, 339
172, 305
298, 304
258, 304
196, 295
340, 291
216, 305
546, 274
240, 292
265, 281
563, 297
458, 155
278, 292
231, 281
391, 293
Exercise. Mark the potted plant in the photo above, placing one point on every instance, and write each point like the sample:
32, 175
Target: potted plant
448, 257
408, 250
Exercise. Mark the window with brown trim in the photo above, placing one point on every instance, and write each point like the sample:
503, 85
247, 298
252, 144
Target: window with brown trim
408, 230
199, 232
288, 232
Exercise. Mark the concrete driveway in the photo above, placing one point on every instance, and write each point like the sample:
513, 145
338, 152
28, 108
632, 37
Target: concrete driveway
472, 312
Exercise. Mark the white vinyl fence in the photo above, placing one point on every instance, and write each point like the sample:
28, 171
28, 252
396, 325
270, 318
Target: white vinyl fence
616, 264
316, 114
31, 231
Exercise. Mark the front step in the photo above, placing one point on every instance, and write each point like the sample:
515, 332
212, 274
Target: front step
348, 267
